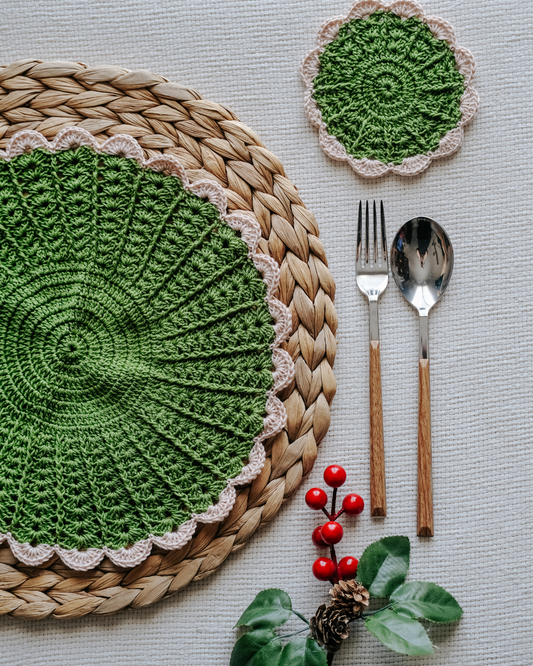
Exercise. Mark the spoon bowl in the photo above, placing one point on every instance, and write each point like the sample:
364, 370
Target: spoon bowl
422, 264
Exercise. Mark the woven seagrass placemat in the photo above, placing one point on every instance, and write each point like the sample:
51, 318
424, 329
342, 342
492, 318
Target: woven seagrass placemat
210, 142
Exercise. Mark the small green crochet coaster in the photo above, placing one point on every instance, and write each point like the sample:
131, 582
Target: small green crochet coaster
389, 88
139, 351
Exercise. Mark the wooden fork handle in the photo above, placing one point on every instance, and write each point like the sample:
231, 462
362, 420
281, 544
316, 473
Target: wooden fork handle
425, 488
378, 504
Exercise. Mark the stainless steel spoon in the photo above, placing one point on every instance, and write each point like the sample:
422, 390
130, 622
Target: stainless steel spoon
422, 264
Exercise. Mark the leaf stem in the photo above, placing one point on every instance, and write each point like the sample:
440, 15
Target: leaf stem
376, 611
289, 635
301, 617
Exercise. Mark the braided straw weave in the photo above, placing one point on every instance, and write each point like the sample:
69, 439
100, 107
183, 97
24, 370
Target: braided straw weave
211, 143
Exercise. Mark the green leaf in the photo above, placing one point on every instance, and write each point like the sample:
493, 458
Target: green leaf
426, 600
399, 632
384, 565
269, 609
303, 652
267, 656
256, 648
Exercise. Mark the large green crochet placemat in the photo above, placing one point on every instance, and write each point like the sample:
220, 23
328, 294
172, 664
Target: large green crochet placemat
211, 143
139, 351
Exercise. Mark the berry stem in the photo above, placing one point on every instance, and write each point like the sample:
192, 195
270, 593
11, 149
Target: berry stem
327, 513
335, 578
333, 554
339, 513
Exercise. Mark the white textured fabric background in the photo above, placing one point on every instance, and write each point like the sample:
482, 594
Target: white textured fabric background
246, 53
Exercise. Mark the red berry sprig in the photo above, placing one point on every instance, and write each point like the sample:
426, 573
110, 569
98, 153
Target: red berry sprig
335, 476
347, 568
324, 568
317, 538
316, 499
353, 504
331, 532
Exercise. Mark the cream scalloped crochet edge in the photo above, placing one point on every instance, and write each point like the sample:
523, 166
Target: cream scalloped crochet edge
441, 29
276, 418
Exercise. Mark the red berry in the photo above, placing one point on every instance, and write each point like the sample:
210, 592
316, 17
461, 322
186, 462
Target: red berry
353, 504
316, 499
331, 532
347, 568
324, 568
335, 476
317, 538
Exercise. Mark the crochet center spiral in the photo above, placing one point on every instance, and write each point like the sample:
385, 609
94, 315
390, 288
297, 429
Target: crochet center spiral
135, 351
387, 88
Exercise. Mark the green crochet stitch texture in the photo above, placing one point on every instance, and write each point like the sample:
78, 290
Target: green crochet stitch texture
134, 350
387, 89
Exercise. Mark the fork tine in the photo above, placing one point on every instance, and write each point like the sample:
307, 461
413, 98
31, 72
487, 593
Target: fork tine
367, 261
384, 237
375, 242
359, 231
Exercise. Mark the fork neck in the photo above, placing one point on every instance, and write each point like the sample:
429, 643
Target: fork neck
374, 320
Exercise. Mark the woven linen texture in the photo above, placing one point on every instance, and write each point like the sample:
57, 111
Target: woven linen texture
246, 53
387, 88
136, 355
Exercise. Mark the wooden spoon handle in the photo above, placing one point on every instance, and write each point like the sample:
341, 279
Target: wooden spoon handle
378, 503
425, 488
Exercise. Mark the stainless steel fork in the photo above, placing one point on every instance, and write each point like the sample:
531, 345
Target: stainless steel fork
372, 278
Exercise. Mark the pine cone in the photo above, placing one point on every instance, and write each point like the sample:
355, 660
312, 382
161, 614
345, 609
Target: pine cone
350, 597
329, 627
